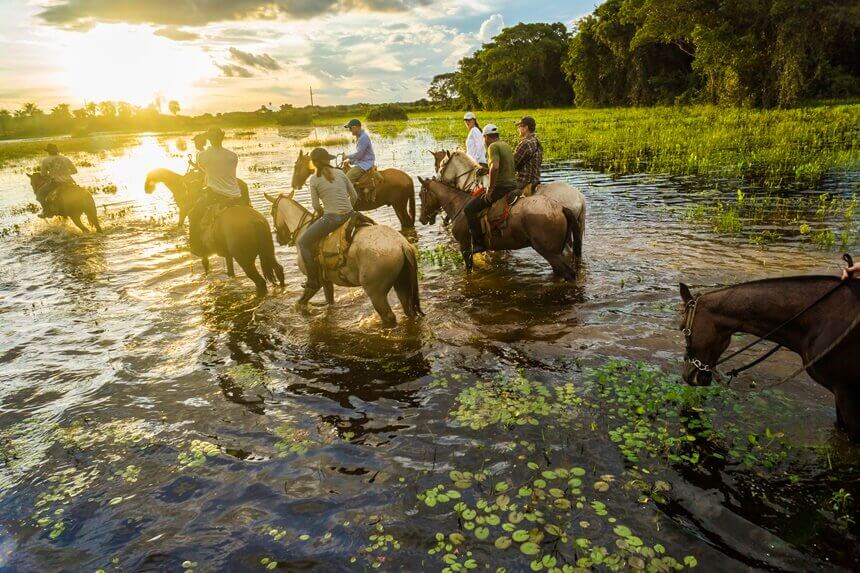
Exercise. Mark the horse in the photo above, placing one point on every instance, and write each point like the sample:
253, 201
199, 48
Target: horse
71, 201
397, 190
461, 170
378, 259
824, 333
536, 221
240, 232
185, 188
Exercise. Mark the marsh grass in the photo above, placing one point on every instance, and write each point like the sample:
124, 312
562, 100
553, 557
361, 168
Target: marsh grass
771, 148
10, 151
334, 139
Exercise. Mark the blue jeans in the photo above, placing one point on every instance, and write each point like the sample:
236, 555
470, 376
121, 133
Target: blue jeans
309, 240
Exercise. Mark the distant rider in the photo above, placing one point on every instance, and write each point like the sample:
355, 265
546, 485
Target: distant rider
528, 156
503, 180
333, 195
364, 158
475, 140
222, 187
58, 169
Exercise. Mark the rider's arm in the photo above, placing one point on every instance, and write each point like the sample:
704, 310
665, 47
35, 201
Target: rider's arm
521, 155
315, 198
72, 169
350, 188
847, 271
45, 167
494, 167
361, 147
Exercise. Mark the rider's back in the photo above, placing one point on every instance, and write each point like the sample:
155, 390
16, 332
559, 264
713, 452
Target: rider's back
219, 164
59, 168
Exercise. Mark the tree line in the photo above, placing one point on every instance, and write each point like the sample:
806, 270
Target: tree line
751, 53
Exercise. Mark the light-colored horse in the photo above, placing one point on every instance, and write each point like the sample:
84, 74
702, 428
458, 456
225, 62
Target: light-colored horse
461, 171
378, 260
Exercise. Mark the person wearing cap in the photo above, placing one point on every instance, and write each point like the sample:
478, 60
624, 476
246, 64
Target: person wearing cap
58, 169
528, 157
333, 195
364, 158
475, 140
222, 186
503, 180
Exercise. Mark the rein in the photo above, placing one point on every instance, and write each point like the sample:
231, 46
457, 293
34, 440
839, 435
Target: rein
426, 188
456, 181
306, 218
690, 317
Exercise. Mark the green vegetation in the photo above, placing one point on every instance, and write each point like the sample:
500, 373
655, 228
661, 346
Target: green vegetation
771, 148
387, 112
10, 151
647, 52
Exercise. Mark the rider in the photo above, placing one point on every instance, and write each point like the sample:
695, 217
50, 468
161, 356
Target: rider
475, 141
222, 187
529, 156
59, 170
503, 180
364, 158
333, 195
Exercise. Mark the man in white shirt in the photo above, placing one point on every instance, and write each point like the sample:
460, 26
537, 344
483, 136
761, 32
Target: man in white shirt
222, 186
59, 170
475, 140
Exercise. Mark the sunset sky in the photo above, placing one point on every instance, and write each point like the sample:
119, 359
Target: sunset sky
218, 55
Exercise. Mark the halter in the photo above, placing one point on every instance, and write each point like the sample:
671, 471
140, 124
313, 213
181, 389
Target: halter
290, 236
689, 319
423, 194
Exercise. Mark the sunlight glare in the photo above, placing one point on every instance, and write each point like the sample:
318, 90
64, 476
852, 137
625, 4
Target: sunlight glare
128, 63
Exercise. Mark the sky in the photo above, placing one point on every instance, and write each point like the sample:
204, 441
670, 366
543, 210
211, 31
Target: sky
225, 55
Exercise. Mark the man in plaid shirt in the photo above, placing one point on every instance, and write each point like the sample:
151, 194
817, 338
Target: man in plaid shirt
528, 156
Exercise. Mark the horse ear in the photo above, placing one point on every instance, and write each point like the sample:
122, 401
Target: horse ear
686, 295
301, 152
270, 198
448, 153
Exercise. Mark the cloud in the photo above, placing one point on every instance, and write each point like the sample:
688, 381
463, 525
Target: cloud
491, 27
75, 13
262, 61
234, 71
173, 33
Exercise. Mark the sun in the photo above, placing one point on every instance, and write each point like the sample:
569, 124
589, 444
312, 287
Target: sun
117, 62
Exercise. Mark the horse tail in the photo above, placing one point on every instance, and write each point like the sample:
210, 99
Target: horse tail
411, 204
577, 239
409, 278
573, 236
272, 269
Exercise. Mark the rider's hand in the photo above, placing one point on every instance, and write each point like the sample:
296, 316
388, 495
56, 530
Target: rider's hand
847, 271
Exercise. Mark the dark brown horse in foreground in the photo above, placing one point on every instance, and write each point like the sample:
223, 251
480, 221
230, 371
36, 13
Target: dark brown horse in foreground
825, 334
72, 202
537, 222
185, 188
397, 190
243, 234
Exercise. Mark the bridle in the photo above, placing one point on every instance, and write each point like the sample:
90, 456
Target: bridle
425, 189
690, 318
285, 236
455, 182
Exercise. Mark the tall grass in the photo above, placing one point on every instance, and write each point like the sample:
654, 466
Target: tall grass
12, 150
771, 148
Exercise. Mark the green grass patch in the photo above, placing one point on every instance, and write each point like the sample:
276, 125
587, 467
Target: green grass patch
13, 150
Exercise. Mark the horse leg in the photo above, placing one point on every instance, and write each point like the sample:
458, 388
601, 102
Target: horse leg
76, 219
560, 266
380, 303
250, 269
402, 215
93, 217
848, 411
231, 271
182, 216
328, 288
205, 261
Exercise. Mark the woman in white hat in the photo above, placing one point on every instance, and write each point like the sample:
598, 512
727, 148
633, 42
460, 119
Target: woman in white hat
475, 140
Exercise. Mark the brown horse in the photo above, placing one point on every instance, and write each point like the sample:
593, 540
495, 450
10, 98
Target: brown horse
185, 188
72, 202
397, 190
537, 222
825, 335
242, 233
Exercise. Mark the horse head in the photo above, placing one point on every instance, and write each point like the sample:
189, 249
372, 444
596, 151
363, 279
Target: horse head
301, 170
705, 339
430, 203
438, 157
287, 215
36, 180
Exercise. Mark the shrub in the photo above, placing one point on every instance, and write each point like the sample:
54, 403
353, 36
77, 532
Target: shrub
387, 112
294, 117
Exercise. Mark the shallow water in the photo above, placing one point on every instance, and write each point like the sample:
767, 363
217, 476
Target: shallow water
152, 415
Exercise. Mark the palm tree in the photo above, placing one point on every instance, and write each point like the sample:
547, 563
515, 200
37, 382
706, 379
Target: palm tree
91, 109
173, 106
107, 109
61, 111
30, 110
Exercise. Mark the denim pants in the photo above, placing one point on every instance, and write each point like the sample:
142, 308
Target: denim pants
309, 240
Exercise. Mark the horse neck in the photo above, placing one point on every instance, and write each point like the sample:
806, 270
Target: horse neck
759, 307
457, 168
451, 199
293, 213
170, 179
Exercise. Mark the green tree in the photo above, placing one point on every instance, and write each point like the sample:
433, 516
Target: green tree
107, 109
173, 106
5, 116
29, 110
519, 68
61, 112
443, 90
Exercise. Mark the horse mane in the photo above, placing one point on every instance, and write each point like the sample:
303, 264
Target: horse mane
162, 174
806, 279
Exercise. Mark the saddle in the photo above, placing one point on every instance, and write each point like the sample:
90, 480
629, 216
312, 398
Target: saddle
209, 219
494, 219
367, 184
332, 250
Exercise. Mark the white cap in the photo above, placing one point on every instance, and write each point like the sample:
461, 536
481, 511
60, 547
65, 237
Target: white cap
469, 115
491, 129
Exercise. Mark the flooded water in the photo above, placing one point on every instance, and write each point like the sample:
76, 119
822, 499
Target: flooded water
153, 418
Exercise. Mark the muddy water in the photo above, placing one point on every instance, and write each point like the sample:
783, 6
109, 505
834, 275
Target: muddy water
153, 418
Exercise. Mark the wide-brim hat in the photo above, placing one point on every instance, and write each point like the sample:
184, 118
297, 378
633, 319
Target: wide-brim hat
319, 155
